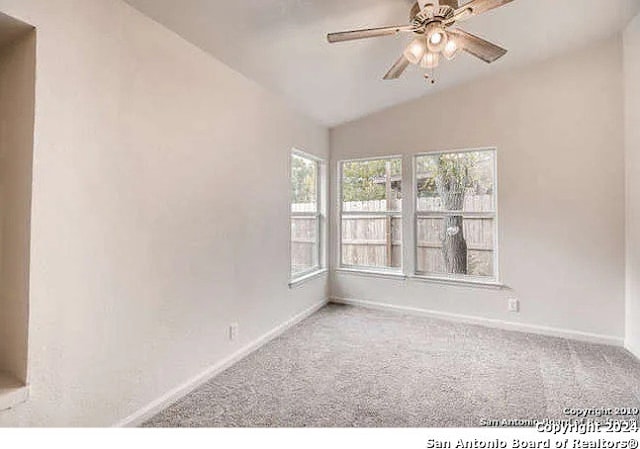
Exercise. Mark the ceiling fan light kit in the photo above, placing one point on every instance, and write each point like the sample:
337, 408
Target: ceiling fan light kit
430, 61
452, 49
416, 50
432, 21
436, 37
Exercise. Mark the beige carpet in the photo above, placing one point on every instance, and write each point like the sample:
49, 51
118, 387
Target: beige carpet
347, 366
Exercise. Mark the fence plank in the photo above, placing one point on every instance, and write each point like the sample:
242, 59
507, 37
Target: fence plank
377, 241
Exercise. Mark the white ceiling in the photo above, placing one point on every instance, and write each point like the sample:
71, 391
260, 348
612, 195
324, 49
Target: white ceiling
282, 44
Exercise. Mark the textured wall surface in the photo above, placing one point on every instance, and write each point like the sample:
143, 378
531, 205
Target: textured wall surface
632, 143
158, 172
160, 212
558, 128
17, 79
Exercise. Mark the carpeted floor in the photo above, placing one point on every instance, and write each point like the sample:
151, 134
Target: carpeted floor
353, 367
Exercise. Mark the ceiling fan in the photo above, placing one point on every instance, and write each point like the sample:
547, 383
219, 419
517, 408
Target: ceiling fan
431, 22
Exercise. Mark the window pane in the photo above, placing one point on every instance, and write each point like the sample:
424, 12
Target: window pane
456, 181
462, 241
304, 244
478, 235
304, 184
481, 263
430, 260
372, 186
372, 241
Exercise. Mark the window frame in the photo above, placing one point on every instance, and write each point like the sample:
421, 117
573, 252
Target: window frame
494, 215
319, 215
384, 271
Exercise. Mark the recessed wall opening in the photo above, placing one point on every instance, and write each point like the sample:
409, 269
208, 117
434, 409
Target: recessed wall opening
17, 99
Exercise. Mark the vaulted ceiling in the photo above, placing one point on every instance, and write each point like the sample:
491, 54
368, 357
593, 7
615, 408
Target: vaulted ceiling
282, 45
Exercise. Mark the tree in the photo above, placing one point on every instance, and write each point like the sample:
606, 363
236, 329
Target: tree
303, 180
452, 182
450, 176
366, 180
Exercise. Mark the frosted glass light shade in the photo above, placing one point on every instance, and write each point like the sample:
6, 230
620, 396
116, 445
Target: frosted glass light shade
430, 61
452, 49
416, 50
436, 38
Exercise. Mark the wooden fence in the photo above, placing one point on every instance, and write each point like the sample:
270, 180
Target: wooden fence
372, 241
376, 241
472, 203
478, 232
304, 238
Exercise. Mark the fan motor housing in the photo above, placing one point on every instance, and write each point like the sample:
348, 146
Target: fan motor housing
421, 18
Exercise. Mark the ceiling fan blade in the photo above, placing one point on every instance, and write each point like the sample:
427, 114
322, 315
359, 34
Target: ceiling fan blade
368, 33
398, 69
475, 8
478, 47
453, 3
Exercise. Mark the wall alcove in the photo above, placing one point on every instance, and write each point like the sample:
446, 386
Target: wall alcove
17, 109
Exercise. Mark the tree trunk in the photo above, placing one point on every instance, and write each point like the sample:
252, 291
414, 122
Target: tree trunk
454, 245
388, 223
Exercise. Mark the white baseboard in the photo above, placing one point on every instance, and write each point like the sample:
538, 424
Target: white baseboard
500, 324
156, 406
633, 349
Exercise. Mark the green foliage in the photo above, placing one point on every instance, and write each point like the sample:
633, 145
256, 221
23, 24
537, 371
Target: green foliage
304, 180
454, 173
366, 180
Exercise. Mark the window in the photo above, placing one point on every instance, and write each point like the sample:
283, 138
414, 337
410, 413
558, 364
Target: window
456, 215
371, 214
306, 216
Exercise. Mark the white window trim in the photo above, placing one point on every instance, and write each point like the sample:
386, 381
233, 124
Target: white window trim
459, 282
355, 269
320, 215
372, 273
299, 280
495, 280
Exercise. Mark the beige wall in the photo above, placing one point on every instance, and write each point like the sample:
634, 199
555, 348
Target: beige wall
632, 142
160, 212
558, 129
17, 78
148, 238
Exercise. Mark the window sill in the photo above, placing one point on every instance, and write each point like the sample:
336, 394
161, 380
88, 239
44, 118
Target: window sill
460, 282
372, 273
12, 393
307, 277
428, 279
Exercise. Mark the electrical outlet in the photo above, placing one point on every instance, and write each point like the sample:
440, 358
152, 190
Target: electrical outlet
514, 305
234, 330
